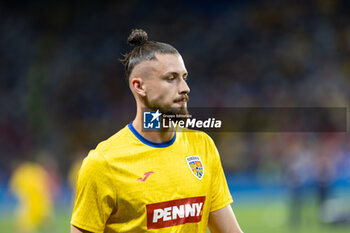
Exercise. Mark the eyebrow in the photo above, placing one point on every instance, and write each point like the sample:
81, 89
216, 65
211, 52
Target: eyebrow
174, 73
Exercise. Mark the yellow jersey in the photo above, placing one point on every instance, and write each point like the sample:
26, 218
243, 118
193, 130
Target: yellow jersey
130, 184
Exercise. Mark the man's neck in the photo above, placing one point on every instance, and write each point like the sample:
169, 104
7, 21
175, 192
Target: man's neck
158, 136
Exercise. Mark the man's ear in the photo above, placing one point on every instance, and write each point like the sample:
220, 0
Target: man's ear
138, 85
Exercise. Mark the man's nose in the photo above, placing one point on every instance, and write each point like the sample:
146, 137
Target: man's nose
184, 88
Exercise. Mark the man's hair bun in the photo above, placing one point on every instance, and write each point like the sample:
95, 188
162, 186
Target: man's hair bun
137, 37
144, 50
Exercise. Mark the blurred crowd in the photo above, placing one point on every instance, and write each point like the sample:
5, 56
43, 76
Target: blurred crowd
63, 90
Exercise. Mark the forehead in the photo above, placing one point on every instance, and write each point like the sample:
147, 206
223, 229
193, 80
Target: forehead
169, 63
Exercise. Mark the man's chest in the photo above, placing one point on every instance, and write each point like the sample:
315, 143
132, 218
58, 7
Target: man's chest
164, 186
161, 176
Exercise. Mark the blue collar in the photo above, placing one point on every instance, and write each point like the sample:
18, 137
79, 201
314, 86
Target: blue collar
148, 142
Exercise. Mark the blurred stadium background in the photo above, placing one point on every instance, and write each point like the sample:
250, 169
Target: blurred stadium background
62, 91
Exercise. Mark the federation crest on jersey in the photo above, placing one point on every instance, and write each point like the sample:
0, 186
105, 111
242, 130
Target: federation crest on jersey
196, 166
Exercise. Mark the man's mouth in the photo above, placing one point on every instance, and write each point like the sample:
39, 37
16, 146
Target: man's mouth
182, 100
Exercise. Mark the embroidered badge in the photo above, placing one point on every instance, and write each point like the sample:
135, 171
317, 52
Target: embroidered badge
196, 166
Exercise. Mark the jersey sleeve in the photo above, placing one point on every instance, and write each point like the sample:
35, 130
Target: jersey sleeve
95, 194
220, 196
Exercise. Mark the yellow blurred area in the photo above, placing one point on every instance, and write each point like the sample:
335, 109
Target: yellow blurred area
30, 184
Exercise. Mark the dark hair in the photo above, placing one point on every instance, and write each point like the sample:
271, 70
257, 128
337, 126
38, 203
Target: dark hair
144, 50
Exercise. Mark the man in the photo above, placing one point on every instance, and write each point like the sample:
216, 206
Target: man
158, 181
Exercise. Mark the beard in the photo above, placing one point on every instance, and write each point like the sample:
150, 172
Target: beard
181, 111
178, 113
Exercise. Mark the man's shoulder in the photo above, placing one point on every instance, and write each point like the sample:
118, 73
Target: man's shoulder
118, 140
195, 135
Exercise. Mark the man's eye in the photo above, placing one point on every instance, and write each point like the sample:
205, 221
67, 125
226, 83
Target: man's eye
171, 78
